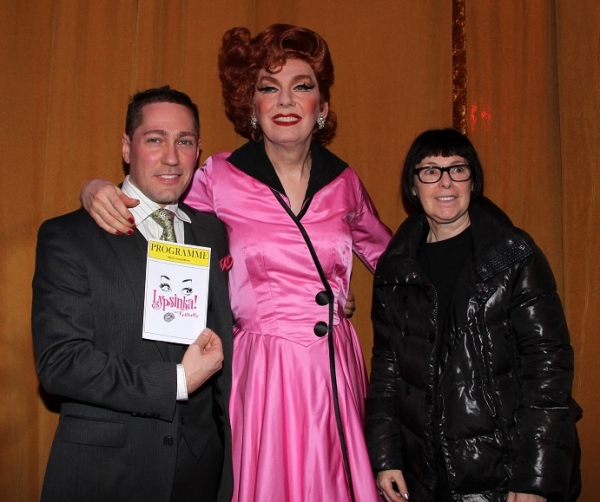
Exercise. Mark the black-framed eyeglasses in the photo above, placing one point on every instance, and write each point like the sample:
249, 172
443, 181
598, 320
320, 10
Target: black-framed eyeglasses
433, 174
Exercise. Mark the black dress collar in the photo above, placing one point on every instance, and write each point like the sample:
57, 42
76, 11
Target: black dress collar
252, 159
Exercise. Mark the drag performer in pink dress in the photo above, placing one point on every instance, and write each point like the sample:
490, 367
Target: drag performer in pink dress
295, 213
286, 444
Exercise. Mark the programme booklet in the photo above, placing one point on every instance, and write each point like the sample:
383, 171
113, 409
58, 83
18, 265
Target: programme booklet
176, 294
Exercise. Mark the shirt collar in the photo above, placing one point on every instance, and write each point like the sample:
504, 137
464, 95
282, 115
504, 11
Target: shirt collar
146, 206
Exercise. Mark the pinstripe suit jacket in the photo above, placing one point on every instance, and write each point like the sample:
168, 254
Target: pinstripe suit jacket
119, 421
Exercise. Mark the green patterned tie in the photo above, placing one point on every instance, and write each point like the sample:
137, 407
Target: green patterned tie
164, 218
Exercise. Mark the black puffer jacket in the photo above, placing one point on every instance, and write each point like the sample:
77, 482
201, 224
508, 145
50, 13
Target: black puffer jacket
504, 398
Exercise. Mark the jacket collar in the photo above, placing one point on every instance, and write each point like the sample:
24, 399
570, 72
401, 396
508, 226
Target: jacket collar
252, 159
498, 244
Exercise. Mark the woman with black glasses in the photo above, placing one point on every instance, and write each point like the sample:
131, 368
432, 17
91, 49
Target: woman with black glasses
470, 393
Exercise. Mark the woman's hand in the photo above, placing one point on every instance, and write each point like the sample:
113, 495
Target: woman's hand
107, 204
524, 497
392, 486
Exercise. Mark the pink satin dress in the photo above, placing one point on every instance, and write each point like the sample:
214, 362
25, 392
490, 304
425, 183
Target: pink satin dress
286, 445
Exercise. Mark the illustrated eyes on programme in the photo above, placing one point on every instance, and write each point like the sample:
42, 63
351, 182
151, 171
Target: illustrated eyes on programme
164, 284
186, 288
186, 285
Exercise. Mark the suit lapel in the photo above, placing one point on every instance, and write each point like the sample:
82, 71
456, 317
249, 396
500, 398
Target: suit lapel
132, 251
195, 233
131, 254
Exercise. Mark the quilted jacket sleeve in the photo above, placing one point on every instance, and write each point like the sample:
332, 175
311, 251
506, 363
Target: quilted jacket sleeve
382, 428
545, 429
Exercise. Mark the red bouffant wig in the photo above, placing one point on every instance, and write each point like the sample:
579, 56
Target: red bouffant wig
242, 57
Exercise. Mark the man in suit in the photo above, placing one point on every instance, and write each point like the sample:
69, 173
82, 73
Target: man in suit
140, 420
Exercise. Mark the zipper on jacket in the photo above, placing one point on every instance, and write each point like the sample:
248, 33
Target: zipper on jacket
434, 398
492, 400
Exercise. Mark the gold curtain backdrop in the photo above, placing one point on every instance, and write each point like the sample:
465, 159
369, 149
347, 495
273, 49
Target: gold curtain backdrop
532, 104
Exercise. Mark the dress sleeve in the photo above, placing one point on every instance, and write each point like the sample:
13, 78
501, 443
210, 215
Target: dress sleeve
545, 435
200, 194
370, 236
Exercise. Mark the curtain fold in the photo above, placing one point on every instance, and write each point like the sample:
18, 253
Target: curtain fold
578, 62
